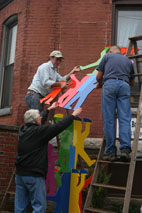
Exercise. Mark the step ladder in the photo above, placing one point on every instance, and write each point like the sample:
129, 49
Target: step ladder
8, 192
88, 207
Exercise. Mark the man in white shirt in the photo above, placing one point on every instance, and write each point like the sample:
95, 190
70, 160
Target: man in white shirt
45, 79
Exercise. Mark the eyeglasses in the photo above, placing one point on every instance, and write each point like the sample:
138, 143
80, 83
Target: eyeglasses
59, 59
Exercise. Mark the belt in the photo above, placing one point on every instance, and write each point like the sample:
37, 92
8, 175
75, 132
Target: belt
116, 79
31, 92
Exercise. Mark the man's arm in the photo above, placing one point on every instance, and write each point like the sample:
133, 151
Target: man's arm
58, 84
65, 78
50, 131
132, 82
74, 70
99, 79
47, 80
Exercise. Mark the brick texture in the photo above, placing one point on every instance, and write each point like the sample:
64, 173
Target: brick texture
80, 29
8, 144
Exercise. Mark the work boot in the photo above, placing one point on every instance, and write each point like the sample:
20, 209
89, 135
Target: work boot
125, 155
110, 156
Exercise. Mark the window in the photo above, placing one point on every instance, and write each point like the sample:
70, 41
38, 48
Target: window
127, 22
129, 25
7, 61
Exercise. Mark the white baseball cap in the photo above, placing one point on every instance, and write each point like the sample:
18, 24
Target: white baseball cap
57, 54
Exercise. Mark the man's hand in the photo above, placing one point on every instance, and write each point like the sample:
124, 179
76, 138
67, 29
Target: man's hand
53, 106
58, 84
132, 82
99, 78
77, 111
98, 85
63, 84
76, 69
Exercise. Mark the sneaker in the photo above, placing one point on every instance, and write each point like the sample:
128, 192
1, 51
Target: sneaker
124, 155
110, 156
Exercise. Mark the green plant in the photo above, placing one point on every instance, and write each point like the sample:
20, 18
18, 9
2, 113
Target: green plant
99, 192
118, 208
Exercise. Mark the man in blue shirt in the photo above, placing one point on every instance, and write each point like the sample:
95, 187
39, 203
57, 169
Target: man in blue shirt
115, 72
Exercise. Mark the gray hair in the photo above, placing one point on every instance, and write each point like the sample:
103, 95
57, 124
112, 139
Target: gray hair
31, 115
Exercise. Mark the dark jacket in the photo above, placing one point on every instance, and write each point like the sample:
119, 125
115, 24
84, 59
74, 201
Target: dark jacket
33, 141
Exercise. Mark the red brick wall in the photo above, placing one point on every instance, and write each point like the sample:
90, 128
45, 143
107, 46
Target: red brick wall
85, 29
79, 28
8, 145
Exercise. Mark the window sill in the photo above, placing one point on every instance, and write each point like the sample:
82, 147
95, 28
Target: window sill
5, 111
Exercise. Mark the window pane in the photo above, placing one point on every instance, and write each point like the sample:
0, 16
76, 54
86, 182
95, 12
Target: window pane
129, 25
7, 58
7, 86
12, 45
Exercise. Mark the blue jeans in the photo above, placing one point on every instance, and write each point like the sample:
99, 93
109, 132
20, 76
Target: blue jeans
33, 101
116, 96
30, 190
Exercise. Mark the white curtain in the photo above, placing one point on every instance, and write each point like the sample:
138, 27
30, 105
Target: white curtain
129, 25
12, 45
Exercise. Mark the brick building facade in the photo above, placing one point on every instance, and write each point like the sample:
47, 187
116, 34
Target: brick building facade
79, 28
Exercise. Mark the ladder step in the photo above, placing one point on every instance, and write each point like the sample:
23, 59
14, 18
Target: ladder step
10, 192
5, 212
138, 159
115, 162
91, 209
134, 105
135, 94
109, 186
135, 56
136, 38
138, 75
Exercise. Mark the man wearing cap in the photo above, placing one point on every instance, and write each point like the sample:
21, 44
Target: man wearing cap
45, 79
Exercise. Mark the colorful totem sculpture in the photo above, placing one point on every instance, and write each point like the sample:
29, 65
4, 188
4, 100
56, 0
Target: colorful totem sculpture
71, 183
62, 196
66, 138
53, 94
66, 141
50, 183
77, 184
67, 96
87, 182
82, 92
79, 138
78, 90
